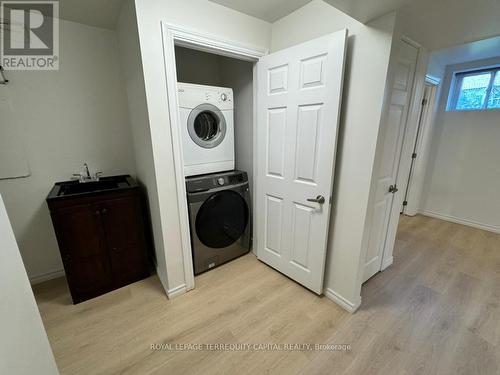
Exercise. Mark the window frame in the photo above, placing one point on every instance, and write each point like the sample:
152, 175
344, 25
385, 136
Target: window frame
458, 77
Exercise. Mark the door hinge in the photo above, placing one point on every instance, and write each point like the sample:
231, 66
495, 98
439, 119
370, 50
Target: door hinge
405, 203
414, 155
424, 101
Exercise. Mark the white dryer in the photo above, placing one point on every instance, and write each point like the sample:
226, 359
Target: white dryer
207, 128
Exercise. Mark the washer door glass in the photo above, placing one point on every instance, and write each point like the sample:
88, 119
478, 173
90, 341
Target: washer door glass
206, 126
222, 219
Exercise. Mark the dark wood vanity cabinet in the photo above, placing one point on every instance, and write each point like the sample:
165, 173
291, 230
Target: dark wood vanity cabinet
102, 239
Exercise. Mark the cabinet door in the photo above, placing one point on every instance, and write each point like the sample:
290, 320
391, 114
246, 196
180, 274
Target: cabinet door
83, 250
123, 226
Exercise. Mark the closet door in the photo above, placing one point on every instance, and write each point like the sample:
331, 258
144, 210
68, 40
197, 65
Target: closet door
386, 206
299, 94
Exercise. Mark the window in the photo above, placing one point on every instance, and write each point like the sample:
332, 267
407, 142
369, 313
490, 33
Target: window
473, 91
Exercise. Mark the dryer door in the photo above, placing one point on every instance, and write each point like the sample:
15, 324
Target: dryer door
222, 219
206, 126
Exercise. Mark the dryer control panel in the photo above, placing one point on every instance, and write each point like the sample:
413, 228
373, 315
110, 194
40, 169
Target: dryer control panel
191, 95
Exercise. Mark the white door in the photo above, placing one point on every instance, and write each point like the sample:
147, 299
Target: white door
420, 152
384, 210
299, 92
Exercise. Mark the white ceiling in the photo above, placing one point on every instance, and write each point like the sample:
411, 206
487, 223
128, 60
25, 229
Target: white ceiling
104, 13
480, 50
367, 10
100, 13
267, 10
446, 23
436, 24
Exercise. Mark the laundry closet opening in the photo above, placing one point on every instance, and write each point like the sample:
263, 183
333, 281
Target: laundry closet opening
216, 104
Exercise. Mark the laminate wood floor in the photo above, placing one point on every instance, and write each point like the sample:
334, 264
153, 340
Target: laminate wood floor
436, 310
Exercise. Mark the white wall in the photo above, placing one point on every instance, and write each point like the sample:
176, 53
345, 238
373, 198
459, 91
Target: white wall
198, 67
24, 347
463, 173
128, 39
369, 48
202, 16
76, 114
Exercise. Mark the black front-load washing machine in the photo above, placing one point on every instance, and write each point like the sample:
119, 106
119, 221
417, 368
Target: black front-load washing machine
220, 218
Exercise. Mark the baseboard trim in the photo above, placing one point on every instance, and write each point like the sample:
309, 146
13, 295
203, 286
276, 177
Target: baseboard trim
46, 276
341, 301
457, 220
387, 262
177, 291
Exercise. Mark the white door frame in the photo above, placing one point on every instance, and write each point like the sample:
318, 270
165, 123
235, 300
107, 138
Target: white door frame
174, 35
408, 139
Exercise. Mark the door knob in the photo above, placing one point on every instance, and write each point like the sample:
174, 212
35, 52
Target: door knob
393, 189
319, 199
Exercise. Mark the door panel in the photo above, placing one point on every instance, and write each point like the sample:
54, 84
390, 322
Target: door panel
301, 228
299, 92
312, 72
392, 138
276, 141
307, 143
392, 142
273, 225
278, 79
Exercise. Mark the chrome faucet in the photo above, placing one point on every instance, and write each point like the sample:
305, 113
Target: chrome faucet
83, 177
87, 170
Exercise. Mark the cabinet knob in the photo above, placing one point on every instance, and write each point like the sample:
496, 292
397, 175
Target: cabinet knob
97, 213
67, 257
104, 211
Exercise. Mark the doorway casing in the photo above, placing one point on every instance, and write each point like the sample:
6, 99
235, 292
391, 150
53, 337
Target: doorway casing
174, 35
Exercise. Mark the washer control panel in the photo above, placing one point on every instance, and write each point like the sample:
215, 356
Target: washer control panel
202, 183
